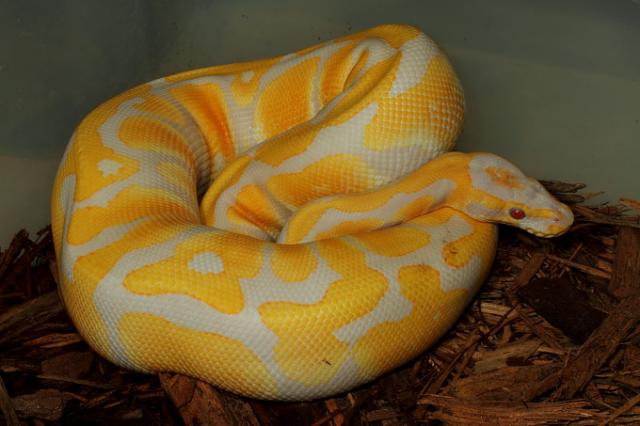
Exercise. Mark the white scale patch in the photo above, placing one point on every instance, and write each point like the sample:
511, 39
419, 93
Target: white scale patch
206, 263
416, 55
246, 76
109, 167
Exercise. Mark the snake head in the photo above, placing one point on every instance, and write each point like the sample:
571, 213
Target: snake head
502, 193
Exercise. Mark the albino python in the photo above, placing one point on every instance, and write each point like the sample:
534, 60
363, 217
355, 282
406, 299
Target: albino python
287, 228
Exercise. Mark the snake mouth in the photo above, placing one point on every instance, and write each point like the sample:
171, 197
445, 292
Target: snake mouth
541, 234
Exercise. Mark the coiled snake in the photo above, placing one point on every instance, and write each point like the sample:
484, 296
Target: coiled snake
287, 228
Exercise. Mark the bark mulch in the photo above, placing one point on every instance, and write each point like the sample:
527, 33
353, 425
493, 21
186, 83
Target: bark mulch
552, 338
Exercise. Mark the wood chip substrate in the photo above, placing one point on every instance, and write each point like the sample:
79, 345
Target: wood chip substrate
552, 338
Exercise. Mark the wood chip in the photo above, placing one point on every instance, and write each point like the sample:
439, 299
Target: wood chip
74, 365
503, 384
583, 268
468, 412
502, 359
620, 411
201, 404
6, 406
22, 318
47, 404
620, 322
55, 340
625, 281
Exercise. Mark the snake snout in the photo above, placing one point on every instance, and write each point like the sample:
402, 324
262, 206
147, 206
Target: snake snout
561, 221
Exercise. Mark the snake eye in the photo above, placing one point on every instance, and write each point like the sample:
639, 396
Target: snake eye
517, 213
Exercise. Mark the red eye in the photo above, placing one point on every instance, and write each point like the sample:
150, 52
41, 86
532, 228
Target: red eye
517, 213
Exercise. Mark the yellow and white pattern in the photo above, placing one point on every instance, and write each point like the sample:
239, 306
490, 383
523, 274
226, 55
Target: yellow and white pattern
287, 228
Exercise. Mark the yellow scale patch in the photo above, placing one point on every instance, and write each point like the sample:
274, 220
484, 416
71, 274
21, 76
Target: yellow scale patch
92, 154
220, 360
245, 90
336, 72
396, 241
275, 114
205, 102
158, 106
367, 90
90, 269
176, 174
241, 258
334, 174
133, 203
432, 311
274, 152
144, 133
253, 208
307, 350
347, 227
229, 176
293, 263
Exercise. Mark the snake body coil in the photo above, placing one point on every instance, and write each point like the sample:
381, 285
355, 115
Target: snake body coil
287, 228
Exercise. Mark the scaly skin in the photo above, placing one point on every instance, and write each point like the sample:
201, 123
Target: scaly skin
287, 228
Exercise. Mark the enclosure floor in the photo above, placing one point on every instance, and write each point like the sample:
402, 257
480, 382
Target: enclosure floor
552, 338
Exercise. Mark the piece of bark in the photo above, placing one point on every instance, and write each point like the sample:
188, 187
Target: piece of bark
631, 358
588, 215
6, 406
500, 357
528, 271
54, 340
622, 319
47, 404
64, 379
504, 384
570, 198
620, 411
563, 306
22, 318
625, 280
456, 411
12, 365
629, 202
71, 364
20, 269
463, 356
8, 256
555, 186
580, 267
201, 404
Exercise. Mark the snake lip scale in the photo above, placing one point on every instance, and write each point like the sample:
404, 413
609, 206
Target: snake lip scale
287, 228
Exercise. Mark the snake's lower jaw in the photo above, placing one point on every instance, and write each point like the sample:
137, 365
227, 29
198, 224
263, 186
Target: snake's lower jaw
561, 225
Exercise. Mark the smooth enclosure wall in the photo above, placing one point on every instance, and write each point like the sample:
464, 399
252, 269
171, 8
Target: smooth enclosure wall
553, 86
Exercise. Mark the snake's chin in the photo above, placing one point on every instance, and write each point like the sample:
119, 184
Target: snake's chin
543, 234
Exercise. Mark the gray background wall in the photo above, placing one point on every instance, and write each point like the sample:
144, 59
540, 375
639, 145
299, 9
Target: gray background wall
554, 86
